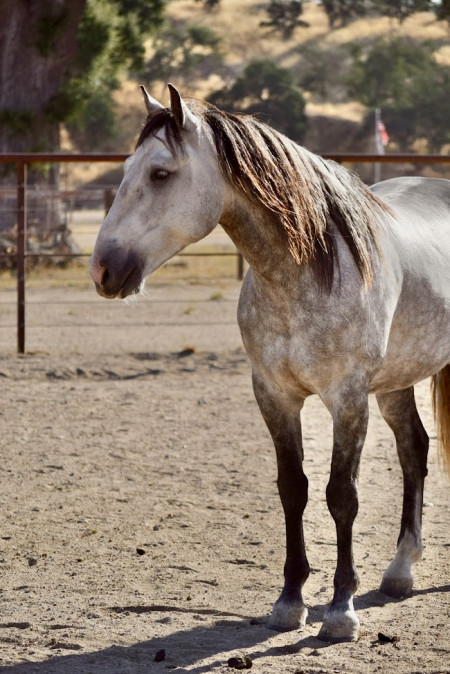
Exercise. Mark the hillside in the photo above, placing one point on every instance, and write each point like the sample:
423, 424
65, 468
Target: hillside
243, 40
334, 121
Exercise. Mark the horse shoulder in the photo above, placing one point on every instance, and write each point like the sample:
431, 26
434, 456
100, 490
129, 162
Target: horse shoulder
304, 338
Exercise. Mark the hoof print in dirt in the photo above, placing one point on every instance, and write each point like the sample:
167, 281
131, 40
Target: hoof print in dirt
240, 663
160, 655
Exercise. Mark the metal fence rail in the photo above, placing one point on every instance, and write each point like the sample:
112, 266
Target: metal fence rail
23, 160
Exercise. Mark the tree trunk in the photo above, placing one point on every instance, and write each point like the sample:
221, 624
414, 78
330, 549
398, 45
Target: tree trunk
37, 46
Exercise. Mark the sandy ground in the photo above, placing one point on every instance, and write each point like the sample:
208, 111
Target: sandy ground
140, 512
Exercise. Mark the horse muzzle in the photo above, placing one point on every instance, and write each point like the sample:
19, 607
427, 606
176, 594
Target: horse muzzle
115, 273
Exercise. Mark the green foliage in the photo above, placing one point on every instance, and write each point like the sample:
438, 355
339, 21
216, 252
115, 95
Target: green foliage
344, 11
266, 89
284, 15
148, 13
49, 27
15, 122
321, 70
401, 9
187, 51
209, 4
388, 73
94, 34
111, 36
403, 78
96, 128
442, 10
110, 39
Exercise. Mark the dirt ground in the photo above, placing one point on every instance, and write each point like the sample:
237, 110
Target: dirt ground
140, 512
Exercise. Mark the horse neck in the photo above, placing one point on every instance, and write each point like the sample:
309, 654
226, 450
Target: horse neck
258, 235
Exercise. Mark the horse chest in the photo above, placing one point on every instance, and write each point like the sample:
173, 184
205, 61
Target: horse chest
285, 349
286, 364
304, 343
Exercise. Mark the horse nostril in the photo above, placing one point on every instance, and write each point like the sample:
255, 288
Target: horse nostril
105, 277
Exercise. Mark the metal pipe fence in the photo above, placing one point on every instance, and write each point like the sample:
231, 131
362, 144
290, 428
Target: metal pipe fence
23, 160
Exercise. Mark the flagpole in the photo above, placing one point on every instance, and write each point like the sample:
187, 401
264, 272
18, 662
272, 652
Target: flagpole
379, 149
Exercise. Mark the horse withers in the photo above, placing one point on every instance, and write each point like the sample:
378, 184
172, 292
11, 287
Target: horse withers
348, 293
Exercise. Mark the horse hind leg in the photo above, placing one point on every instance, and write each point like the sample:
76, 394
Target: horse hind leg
399, 410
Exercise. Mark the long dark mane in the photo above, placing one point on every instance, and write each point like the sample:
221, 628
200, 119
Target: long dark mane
309, 195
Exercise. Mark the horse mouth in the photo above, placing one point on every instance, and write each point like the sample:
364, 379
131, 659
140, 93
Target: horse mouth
110, 289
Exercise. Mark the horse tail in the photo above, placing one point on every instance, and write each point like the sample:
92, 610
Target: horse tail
440, 392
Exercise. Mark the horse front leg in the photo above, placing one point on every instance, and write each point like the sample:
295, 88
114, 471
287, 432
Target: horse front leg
282, 417
350, 418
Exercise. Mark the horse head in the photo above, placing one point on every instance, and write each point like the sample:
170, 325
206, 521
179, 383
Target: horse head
172, 194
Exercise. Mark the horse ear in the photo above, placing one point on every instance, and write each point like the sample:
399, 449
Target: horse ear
150, 103
184, 117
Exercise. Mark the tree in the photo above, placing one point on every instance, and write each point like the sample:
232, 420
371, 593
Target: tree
401, 9
320, 70
111, 40
209, 4
403, 78
268, 90
185, 51
442, 10
344, 11
284, 15
37, 47
55, 54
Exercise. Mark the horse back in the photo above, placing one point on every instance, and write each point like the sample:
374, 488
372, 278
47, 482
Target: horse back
416, 250
419, 232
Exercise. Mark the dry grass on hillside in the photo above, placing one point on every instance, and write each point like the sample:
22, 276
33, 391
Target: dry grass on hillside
243, 40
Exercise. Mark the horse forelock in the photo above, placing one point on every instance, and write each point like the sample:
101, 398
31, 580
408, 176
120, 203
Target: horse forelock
162, 119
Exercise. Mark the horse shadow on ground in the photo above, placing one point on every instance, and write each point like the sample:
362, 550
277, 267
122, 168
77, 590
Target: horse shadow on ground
227, 636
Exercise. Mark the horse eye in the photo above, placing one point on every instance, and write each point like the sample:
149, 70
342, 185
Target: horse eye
159, 174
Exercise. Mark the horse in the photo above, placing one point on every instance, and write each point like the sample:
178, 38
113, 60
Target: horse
347, 294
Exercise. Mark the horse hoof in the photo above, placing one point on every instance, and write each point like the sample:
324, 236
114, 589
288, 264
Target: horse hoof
286, 617
397, 587
339, 627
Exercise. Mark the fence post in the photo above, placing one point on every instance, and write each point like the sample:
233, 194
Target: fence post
240, 266
21, 244
108, 200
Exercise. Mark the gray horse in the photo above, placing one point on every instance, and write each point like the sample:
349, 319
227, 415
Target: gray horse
348, 293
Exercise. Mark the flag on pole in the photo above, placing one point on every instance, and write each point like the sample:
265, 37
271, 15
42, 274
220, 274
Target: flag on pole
381, 135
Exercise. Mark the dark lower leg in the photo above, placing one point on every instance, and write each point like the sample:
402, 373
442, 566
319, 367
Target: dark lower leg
293, 490
350, 425
341, 622
283, 422
400, 412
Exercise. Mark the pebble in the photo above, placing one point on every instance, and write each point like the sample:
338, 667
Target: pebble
240, 663
160, 655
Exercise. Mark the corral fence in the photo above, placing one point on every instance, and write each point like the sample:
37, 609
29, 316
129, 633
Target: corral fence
22, 253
